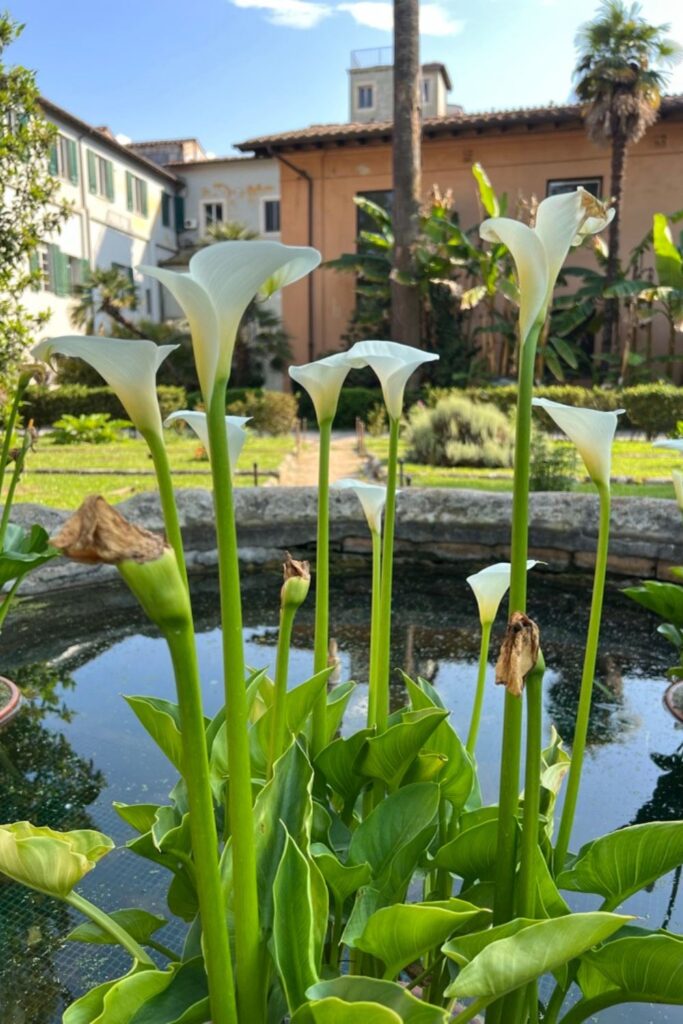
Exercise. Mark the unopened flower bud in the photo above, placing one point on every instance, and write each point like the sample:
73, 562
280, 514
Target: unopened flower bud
297, 582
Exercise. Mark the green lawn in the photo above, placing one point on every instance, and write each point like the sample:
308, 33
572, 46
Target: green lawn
636, 460
68, 491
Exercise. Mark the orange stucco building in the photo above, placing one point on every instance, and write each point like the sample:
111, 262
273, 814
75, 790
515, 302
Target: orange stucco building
530, 152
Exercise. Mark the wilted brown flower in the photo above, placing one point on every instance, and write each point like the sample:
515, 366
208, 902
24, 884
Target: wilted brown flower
518, 653
297, 581
96, 532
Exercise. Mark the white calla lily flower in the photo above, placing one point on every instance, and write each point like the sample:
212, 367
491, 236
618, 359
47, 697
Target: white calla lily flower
222, 280
323, 380
490, 586
371, 496
539, 252
592, 432
129, 366
234, 427
393, 363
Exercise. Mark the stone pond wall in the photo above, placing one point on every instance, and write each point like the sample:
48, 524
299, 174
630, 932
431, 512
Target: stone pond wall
434, 527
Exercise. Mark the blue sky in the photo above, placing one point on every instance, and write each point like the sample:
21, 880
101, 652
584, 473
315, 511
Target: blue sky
225, 70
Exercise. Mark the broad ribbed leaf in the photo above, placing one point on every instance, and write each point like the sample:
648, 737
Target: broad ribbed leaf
668, 260
337, 761
23, 550
161, 719
389, 755
341, 879
52, 862
334, 1011
400, 934
301, 699
643, 969
464, 948
138, 816
519, 959
337, 700
185, 1000
140, 925
352, 989
392, 825
457, 778
472, 854
118, 1002
488, 197
617, 865
293, 927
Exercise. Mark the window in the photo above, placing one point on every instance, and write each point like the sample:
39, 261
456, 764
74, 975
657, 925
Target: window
64, 159
100, 176
213, 214
366, 98
426, 89
40, 261
271, 216
76, 274
61, 274
124, 269
166, 215
559, 186
136, 194
384, 199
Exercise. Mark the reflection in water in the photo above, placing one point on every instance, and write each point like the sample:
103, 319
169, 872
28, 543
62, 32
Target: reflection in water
75, 730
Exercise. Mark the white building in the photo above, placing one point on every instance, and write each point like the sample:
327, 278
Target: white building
371, 87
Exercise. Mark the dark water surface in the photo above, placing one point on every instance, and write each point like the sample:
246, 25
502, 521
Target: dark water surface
76, 746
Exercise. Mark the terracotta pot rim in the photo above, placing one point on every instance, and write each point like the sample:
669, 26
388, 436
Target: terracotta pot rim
10, 709
675, 710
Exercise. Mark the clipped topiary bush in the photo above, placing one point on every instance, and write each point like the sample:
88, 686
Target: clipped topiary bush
459, 432
271, 412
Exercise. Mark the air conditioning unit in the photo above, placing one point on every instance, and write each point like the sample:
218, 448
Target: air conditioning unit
190, 223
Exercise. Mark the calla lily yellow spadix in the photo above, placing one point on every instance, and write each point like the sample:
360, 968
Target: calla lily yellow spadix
323, 380
592, 432
393, 364
128, 365
221, 282
371, 496
234, 426
490, 586
539, 252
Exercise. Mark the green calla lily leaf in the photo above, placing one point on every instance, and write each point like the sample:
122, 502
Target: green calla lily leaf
117, 1002
341, 880
183, 1001
24, 550
352, 989
457, 777
337, 701
633, 970
617, 865
138, 816
514, 961
400, 934
472, 854
161, 719
52, 862
464, 948
300, 700
337, 764
334, 1011
293, 928
389, 755
171, 832
140, 925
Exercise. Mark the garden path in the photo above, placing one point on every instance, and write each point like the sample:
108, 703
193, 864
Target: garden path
301, 469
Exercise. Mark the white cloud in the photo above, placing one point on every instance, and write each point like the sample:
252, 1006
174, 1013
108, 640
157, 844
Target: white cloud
290, 13
124, 140
371, 14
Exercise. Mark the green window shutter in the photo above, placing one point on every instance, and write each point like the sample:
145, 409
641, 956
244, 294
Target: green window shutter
84, 273
129, 191
59, 270
165, 209
53, 165
143, 198
72, 158
109, 179
179, 212
92, 173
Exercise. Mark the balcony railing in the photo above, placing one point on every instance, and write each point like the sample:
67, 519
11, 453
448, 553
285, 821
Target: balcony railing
375, 56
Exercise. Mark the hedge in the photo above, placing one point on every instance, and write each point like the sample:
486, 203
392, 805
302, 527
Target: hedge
44, 405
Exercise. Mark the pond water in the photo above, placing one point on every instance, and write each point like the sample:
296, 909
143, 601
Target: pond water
76, 746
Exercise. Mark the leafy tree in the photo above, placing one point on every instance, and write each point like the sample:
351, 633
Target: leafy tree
30, 209
619, 79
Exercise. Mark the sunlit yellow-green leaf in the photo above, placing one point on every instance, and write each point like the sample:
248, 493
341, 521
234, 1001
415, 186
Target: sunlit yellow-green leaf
52, 862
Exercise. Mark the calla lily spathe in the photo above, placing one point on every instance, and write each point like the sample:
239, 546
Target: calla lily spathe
234, 427
323, 380
222, 280
129, 366
371, 496
393, 363
592, 432
539, 252
490, 586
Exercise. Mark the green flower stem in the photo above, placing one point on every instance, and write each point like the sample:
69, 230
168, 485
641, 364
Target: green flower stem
216, 944
278, 729
510, 760
8, 601
481, 682
587, 678
16, 475
110, 926
526, 893
384, 642
374, 626
250, 992
155, 443
322, 586
472, 1010
9, 428
337, 929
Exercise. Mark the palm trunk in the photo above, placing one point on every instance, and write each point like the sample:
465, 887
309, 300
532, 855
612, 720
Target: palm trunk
618, 174
115, 313
405, 300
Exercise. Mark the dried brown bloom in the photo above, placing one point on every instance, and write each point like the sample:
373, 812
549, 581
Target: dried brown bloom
297, 581
518, 653
295, 570
96, 532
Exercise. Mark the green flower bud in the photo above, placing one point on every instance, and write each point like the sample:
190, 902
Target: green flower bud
297, 583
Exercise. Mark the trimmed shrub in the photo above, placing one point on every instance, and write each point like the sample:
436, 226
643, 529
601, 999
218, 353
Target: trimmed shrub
459, 432
91, 428
272, 412
653, 408
554, 467
46, 405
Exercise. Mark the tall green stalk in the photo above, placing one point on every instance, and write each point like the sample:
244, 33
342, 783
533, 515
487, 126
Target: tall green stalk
110, 926
374, 626
250, 991
278, 729
508, 796
169, 509
481, 683
322, 586
9, 426
587, 678
384, 642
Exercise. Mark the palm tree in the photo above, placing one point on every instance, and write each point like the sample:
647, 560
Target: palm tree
620, 78
110, 291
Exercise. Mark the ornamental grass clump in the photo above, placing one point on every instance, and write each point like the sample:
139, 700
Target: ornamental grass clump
459, 432
335, 877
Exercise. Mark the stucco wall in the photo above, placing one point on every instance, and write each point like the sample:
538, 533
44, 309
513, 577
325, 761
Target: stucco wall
240, 184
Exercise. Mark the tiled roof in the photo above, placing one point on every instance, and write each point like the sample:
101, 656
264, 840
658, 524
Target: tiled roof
320, 135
